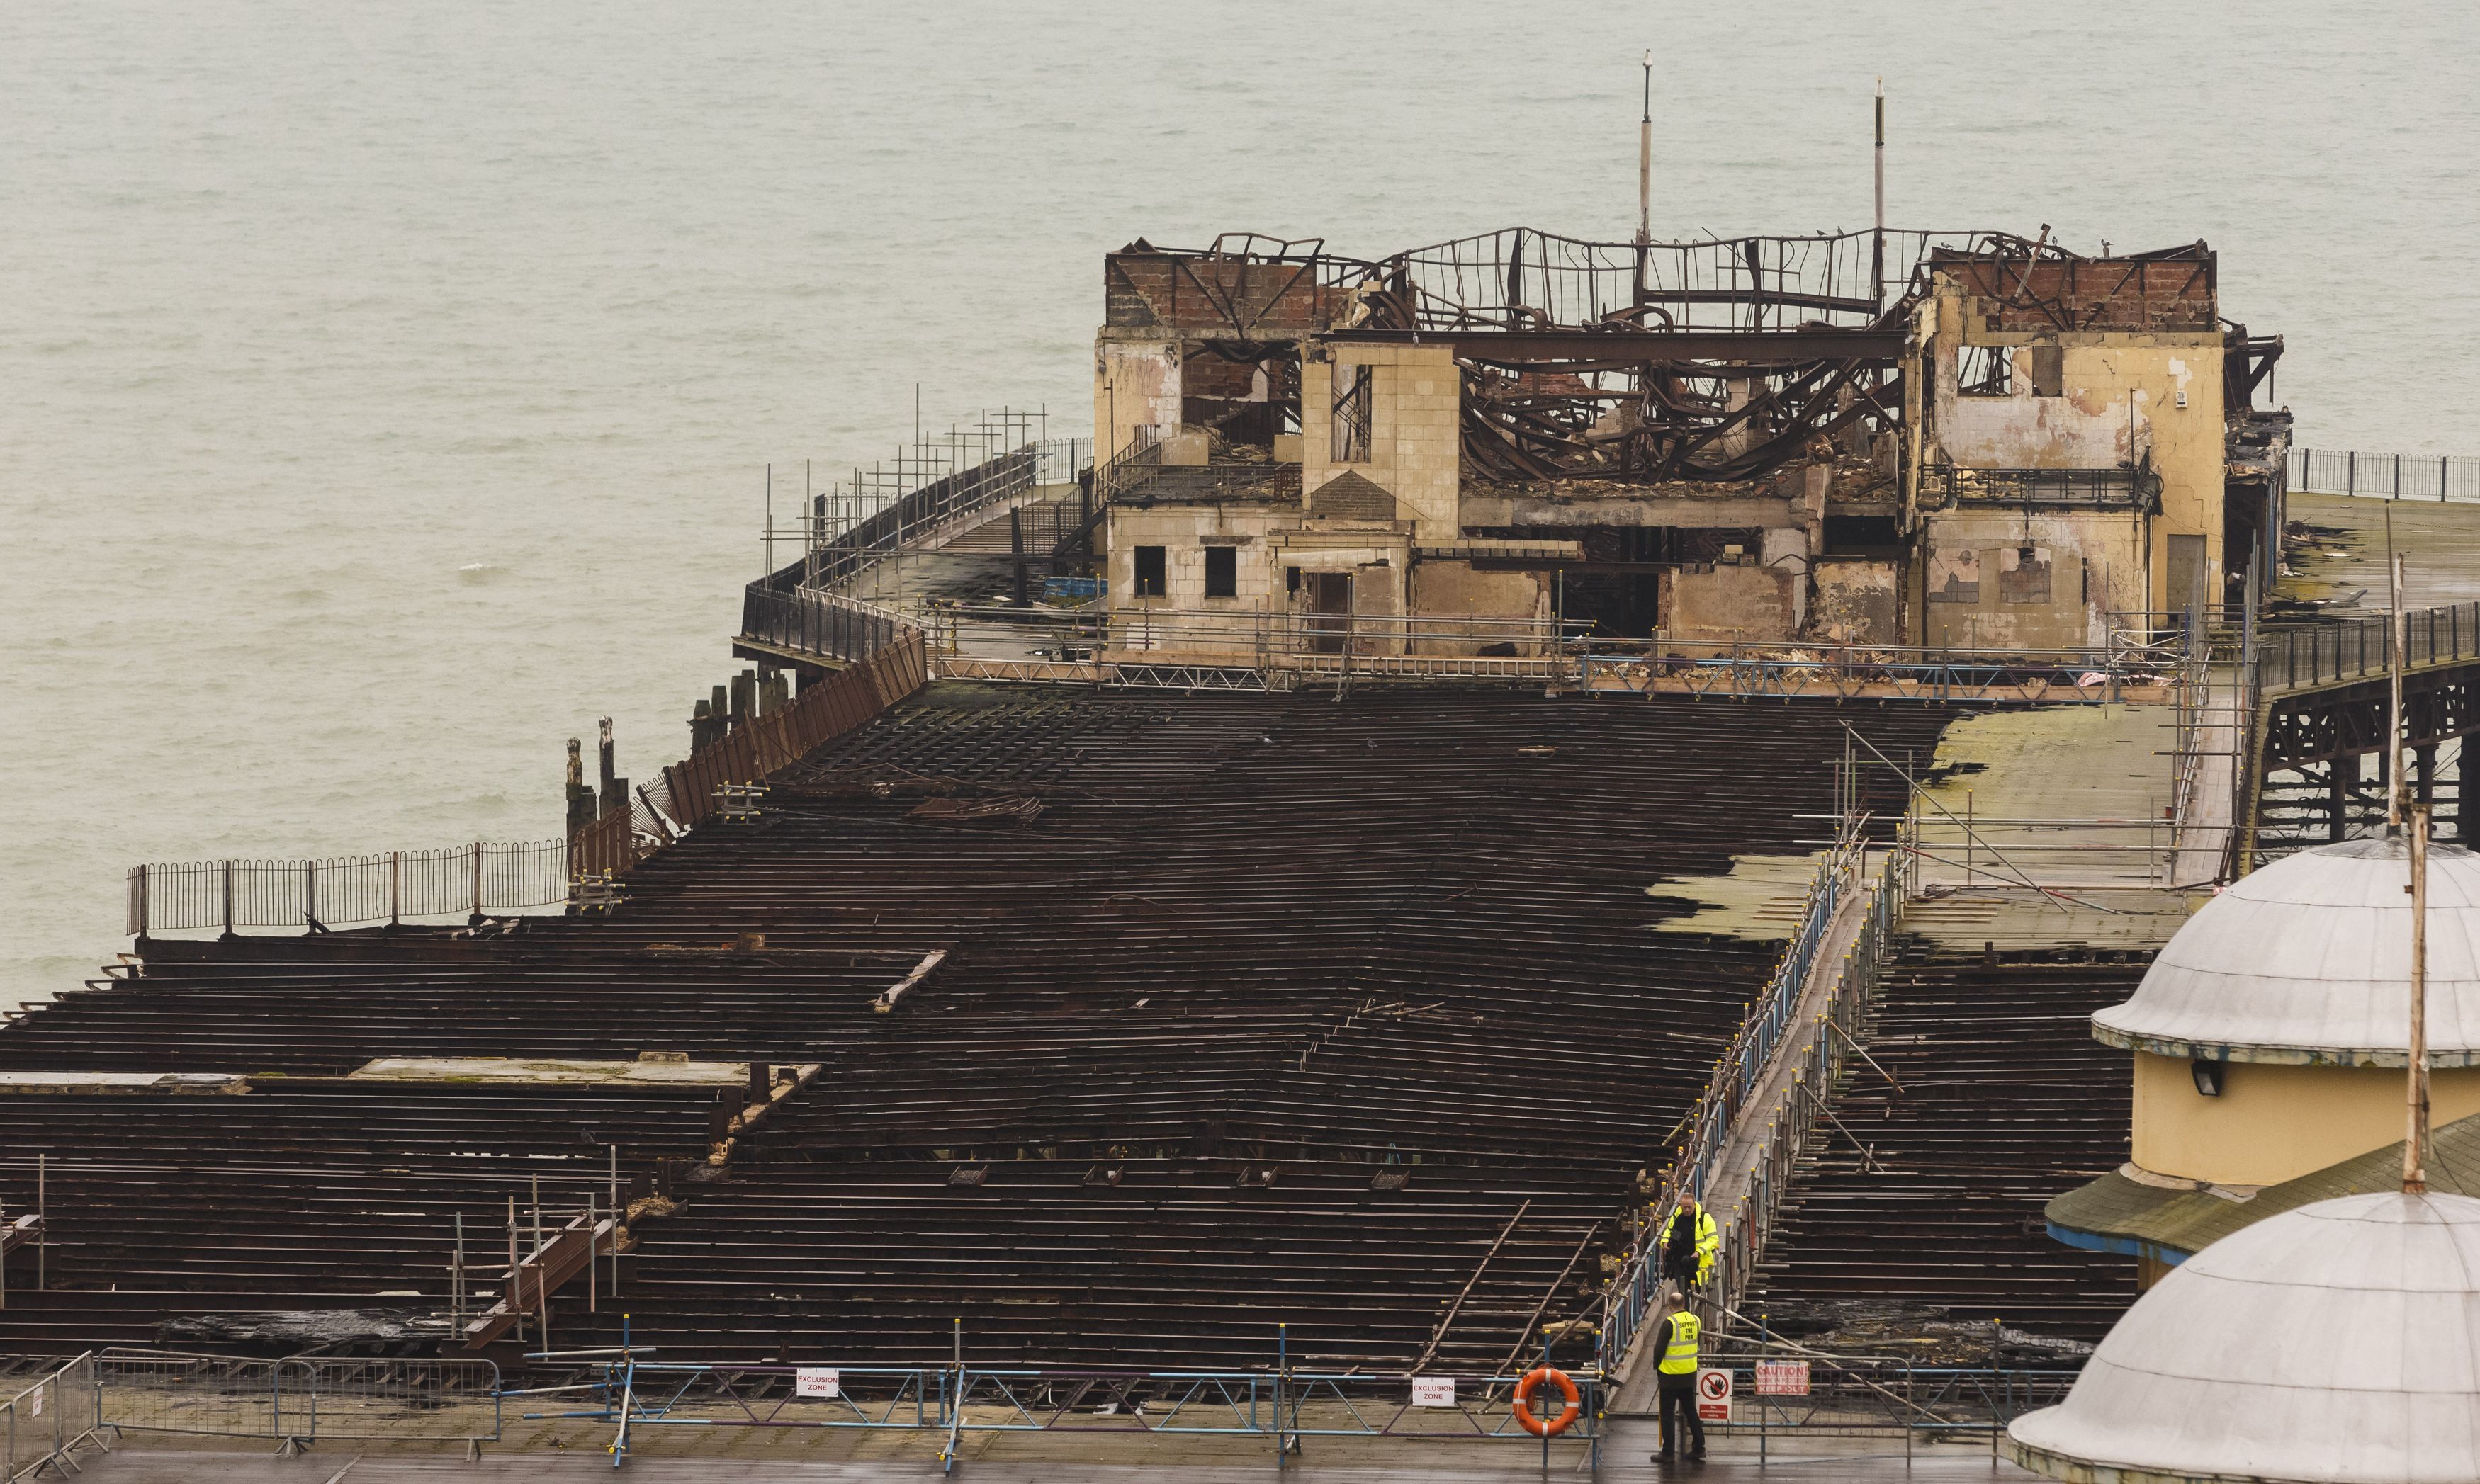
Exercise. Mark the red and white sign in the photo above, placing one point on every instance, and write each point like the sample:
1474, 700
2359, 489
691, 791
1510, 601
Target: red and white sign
1434, 1390
818, 1381
1782, 1378
1712, 1395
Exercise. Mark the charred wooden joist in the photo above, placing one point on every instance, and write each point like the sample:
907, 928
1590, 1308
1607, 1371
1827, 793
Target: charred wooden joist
1280, 1008
1987, 1096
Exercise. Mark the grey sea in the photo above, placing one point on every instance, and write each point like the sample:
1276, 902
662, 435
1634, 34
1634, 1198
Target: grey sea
390, 390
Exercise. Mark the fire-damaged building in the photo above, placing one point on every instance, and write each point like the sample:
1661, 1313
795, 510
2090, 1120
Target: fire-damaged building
1880, 439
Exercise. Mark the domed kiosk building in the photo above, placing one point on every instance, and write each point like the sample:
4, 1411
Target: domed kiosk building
2333, 1342
2268, 1039
2293, 1332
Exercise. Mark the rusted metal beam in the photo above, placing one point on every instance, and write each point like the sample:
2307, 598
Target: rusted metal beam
1620, 349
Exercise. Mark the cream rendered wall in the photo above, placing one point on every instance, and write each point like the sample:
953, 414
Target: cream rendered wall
1416, 435
1184, 532
2098, 563
2275, 1122
2120, 392
1136, 384
1447, 588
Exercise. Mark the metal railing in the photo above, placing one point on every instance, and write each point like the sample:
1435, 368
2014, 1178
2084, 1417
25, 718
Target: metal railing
2363, 648
2086, 676
812, 621
1131, 465
343, 891
1259, 632
913, 520
1856, 977
1633, 1299
1812, 1394
49, 1419
2434, 476
1281, 1404
1062, 460
930, 485
1966, 850
299, 1400
2087, 489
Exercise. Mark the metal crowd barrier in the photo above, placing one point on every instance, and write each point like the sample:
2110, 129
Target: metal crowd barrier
299, 1401
46, 1420
1779, 1389
1281, 1405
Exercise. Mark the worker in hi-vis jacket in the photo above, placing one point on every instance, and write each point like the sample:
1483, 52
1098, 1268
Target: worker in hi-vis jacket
1676, 1342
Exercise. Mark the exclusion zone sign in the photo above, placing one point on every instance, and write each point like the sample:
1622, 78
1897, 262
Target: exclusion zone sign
1712, 1395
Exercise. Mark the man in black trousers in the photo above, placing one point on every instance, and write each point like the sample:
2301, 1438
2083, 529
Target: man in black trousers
1676, 1344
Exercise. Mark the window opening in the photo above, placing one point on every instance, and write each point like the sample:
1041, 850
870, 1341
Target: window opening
1984, 370
1149, 571
1350, 414
1221, 571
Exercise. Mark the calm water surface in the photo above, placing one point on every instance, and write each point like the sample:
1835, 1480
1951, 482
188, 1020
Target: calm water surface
388, 388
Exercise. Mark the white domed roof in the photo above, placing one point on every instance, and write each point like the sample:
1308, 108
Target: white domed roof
2308, 959
2336, 1343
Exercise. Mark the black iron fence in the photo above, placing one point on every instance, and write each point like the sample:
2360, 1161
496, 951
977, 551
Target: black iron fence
810, 622
346, 890
2091, 489
2363, 648
2435, 476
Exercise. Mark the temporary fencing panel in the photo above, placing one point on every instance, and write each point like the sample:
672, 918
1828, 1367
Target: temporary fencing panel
47, 1419
447, 1400
214, 1395
443, 1400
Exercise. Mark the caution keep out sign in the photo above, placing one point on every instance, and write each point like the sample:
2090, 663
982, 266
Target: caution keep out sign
1712, 1395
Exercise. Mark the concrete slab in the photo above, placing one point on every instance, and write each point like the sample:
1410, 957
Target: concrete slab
1760, 899
1965, 921
2342, 566
2057, 762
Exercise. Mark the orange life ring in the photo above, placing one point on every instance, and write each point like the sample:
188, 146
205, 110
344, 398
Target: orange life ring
1566, 1418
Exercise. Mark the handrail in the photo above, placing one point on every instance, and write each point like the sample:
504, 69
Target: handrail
1630, 1300
2432, 476
2312, 657
346, 890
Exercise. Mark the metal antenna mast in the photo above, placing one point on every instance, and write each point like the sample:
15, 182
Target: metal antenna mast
1877, 241
1644, 161
2415, 1180
2395, 750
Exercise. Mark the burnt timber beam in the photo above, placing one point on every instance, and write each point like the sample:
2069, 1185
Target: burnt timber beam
563, 1255
1622, 348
